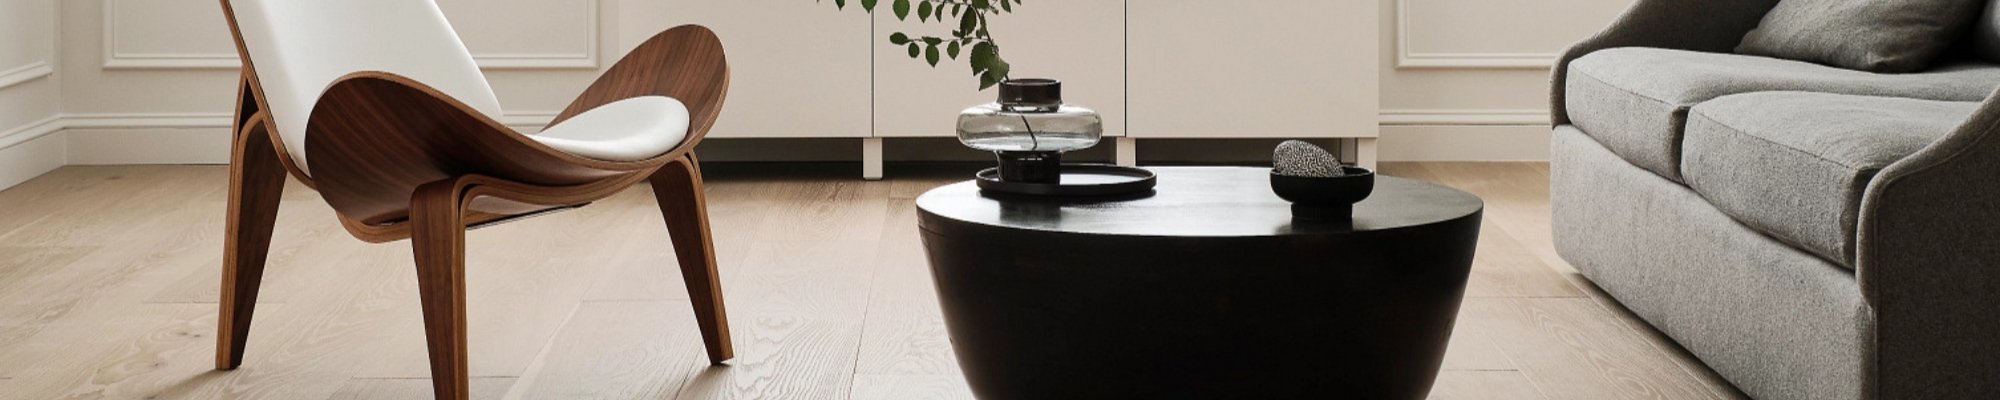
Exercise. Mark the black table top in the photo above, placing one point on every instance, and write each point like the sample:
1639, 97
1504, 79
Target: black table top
1196, 202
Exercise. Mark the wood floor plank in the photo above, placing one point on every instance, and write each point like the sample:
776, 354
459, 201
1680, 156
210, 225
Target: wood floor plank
643, 266
315, 353
130, 264
619, 350
904, 333
783, 356
1502, 268
151, 352
1473, 349
1573, 349
1484, 385
911, 387
306, 230
416, 389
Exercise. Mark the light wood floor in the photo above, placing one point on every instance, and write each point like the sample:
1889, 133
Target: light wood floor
108, 278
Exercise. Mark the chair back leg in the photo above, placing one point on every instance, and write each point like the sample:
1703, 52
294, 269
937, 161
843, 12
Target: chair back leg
437, 235
256, 182
677, 187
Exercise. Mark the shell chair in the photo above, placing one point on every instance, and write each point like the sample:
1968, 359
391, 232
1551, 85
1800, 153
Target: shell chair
377, 105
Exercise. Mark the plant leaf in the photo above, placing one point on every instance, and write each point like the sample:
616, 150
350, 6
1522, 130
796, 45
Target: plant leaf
869, 5
982, 57
968, 22
987, 80
902, 9
931, 54
924, 11
952, 50
840, 4
915, 50
899, 38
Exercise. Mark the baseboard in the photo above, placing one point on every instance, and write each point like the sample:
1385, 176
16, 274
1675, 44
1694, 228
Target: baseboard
1465, 143
30, 158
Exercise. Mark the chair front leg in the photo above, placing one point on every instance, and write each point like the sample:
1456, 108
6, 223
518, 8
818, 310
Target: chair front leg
256, 182
437, 234
677, 187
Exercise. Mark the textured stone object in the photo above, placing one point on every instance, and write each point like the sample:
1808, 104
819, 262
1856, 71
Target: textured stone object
1301, 159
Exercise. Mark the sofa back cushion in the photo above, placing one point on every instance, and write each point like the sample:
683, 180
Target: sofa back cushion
1870, 35
1984, 39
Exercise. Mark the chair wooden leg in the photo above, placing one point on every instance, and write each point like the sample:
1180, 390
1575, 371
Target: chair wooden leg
256, 181
437, 234
677, 187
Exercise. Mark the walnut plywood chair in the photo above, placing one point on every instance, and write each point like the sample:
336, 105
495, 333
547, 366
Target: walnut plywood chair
378, 106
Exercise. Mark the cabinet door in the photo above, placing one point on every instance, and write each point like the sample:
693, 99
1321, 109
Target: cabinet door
797, 68
1254, 69
1080, 42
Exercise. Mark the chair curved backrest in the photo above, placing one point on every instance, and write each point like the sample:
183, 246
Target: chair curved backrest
299, 47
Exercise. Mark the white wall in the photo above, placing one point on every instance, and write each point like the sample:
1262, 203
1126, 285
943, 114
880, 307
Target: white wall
29, 145
151, 81
1468, 79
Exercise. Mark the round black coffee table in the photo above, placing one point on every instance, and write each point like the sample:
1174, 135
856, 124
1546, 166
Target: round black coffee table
1206, 288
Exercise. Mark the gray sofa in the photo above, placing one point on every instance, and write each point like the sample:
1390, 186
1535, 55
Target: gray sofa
1808, 232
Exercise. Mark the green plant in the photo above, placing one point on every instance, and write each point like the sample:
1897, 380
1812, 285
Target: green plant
970, 38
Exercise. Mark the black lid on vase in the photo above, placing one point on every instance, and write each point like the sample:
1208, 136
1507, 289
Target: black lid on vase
1036, 93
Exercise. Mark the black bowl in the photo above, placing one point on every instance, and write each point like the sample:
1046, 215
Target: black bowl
1335, 195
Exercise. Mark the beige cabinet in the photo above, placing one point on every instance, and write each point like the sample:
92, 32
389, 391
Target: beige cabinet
1254, 69
1155, 68
797, 69
1081, 42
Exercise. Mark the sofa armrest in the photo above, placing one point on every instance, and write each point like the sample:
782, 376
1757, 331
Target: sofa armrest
1928, 262
1699, 25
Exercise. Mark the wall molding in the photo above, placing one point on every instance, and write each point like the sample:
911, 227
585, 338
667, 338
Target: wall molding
1465, 117
26, 73
31, 131
1406, 58
589, 58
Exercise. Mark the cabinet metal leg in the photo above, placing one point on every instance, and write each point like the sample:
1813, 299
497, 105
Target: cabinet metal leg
1128, 151
871, 159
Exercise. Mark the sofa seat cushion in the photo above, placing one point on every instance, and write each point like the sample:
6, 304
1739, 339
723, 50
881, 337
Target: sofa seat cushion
1635, 100
1795, 164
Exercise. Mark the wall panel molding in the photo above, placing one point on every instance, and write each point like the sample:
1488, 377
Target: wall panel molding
25, 73
587, 58
1409, 58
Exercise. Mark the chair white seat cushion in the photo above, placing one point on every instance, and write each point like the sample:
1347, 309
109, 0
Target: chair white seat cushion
633, 129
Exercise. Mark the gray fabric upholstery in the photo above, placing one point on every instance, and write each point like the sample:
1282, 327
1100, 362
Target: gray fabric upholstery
1984, 38
1880, 36
1794, 164
1778, 323
1775, 320
1699, 25
1635, 100
1929, 264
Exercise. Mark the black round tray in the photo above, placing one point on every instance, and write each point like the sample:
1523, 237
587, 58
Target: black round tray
1077, 180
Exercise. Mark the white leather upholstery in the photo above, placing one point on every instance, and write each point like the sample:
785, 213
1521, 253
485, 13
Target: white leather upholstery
626, 130
300, 47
